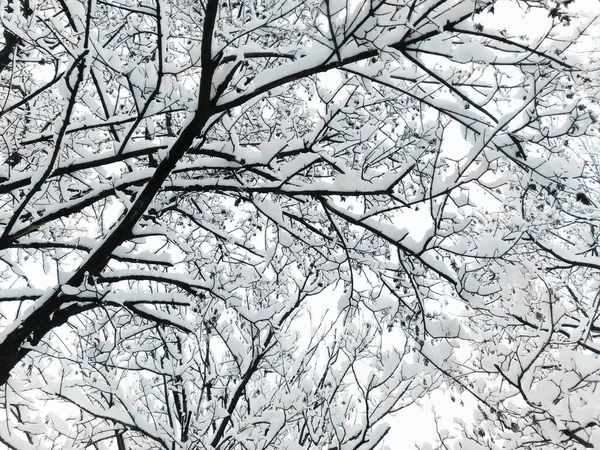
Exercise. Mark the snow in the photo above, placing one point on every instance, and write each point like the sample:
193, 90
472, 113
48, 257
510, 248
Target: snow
407, 148
69, 290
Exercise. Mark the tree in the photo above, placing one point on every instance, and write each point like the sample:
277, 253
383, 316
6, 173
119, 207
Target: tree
206, 222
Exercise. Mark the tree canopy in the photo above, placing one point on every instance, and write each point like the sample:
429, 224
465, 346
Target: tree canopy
252, 224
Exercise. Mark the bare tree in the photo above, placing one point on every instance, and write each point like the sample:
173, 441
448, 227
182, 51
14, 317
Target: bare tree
275, 223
